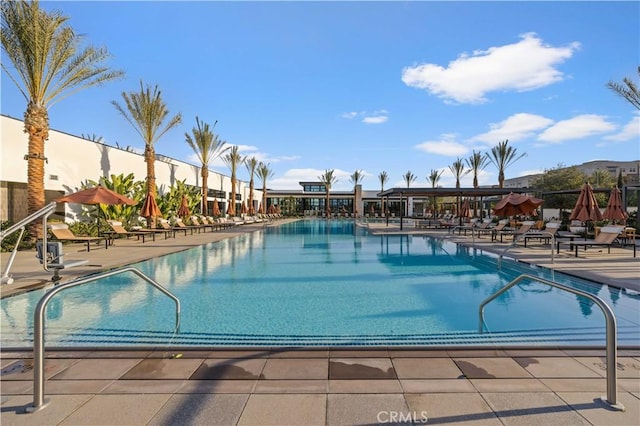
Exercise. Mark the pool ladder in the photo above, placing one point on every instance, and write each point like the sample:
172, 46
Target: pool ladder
611, 349
38, 321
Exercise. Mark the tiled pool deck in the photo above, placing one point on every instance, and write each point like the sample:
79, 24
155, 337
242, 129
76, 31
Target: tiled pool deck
323, 386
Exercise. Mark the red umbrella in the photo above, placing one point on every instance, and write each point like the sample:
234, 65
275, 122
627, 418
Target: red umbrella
516, 204
96, 195
183, 211
216, 208
243, 208
586, 207
272, 209
260, 209
150, 207
465, 210
614, 210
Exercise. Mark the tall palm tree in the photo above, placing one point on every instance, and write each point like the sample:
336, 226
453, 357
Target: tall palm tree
356, 177
409, 178
233, 159
328, 180
251, 164
383, 177
147, 113
264, 173
628, 90
434, 178
207, 146
48, 65
476, 163
457, 169
502, 156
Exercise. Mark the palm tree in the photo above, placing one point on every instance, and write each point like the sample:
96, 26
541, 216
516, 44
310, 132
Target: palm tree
251, 164
476, 163
409, 178
434, 178
383, 177
48, 65
356, 178
264, 173
502, 156
207, 146
628, 90
147, 113
457, 168
232, 159
328, 179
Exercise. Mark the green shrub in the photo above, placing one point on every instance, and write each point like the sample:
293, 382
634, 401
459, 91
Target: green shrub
10, 241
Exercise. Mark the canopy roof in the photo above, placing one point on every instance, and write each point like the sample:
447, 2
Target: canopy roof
452, 192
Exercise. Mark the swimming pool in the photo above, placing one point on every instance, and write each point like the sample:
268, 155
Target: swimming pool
324, 283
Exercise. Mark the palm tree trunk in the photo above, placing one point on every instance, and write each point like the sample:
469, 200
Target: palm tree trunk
150, 159
233, 195
36, 125
264, 197
205, 176
250, 206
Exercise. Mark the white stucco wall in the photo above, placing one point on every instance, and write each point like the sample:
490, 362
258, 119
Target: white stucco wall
72, 160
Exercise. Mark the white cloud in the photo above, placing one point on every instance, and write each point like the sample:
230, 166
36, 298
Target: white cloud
446, 146
629, 132
375, 120
374, 117
526, 65
577, 127
516, 127
291, 179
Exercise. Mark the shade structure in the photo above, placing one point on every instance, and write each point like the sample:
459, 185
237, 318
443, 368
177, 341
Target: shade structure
586, 208
150, 207
465, 210
183, 211
231, 210
97, 195
216, 208
614, 210
517, 204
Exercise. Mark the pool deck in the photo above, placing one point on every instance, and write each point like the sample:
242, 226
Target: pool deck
335, 386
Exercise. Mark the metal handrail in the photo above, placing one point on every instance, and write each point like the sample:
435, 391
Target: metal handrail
611, 348
45, 212
39, 320
515, 241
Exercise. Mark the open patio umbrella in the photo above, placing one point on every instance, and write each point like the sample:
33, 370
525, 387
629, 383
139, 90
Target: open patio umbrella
614, 210
183, 210
586, 208
216, 208
516, 204
97, 195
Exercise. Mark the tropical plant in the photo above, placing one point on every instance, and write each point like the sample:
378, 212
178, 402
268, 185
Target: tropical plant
232, 159
383, 177
148, 115
502, 156
628, 90
264, 173
169, 201
48, 65
251, 164
328, 179
601, 178
409, 178
434, 178
207, 146
122, 184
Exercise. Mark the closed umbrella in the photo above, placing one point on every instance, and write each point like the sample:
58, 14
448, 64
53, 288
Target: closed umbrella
252, 210
150, 207
243, 208
216, 208
183, 211
586, 208
261, 209
516, 204
272, 209
465, 210
614, 210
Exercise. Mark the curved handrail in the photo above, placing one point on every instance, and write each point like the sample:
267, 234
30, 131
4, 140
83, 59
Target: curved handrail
38, 320
611, 348
513, 244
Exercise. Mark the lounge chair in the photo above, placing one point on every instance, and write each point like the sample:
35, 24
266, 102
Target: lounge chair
164, 224
55, 257
203, 225
550, 230
493, 230
607, 237
61, 232
181, 224
119, 230
523, 229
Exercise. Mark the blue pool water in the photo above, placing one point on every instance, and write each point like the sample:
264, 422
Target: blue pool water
319, 283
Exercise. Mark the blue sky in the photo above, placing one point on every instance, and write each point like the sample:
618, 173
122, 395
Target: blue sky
394, 86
